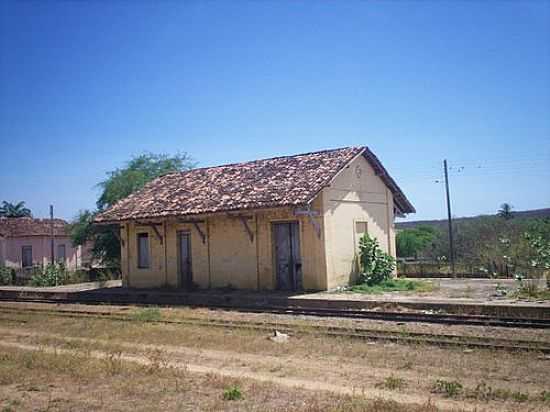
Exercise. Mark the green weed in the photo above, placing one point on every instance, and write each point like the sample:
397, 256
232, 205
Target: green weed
394, 285
450, 389
233, 393
392, 383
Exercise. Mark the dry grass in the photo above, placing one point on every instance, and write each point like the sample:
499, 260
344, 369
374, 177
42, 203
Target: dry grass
490, 380
52, 382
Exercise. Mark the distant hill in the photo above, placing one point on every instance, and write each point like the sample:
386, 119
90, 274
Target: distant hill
525, 214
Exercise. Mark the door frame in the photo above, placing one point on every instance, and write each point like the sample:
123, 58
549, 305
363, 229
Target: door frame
184, 283
297, 285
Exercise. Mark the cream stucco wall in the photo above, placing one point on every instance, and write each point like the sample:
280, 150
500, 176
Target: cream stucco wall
228, 257
355, 195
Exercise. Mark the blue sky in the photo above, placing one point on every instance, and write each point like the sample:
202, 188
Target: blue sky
85, 85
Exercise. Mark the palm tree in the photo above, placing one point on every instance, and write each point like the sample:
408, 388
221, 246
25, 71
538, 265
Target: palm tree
505, 211
14, 210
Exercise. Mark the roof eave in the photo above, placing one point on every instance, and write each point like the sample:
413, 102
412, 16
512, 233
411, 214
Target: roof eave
400, 200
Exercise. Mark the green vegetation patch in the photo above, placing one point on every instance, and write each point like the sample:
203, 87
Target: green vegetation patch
232, 393
394, 285
532, 294
147, 315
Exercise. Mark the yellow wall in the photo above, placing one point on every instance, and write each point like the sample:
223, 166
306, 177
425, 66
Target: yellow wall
355, 195
228, 256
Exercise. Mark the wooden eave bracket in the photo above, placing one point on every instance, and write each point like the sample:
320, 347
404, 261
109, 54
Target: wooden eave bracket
159, 236
244, 220
195, 223
201, 233
311, 214
153, 226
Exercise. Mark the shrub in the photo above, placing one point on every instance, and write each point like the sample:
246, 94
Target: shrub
232, 393
376, 265
7, 275
450, 389
49, 275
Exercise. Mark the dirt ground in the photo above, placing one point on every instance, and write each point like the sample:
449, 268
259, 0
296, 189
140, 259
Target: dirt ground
444, 289
59, 363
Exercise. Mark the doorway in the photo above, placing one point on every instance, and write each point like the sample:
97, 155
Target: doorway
184, 260
288, 265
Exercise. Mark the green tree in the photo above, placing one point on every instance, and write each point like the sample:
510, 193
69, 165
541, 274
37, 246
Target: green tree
14, 210
119, 184
505, 211
140, 170
411, 242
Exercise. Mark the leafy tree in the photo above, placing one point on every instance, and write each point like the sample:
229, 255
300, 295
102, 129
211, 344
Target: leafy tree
119, 184
140, 170
411, 242
505, 211
14, 210
105, 244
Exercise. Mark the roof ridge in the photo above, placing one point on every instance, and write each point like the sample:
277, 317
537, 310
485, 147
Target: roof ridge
264, 159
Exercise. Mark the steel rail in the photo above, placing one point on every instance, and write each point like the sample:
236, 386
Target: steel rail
439, 318
324, 330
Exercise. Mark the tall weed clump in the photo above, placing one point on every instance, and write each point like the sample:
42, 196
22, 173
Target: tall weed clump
376, 265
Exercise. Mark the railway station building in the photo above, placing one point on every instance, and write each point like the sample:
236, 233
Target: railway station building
285, 223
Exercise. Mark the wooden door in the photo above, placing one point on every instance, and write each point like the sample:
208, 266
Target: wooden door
288, 265
184, 260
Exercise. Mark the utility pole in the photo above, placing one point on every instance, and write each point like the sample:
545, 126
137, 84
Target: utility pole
449, 218
52, 235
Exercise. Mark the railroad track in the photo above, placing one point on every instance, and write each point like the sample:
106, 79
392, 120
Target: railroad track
439, 318
366, 334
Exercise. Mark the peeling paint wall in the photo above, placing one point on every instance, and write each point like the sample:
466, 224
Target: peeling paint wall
228, 256
356, 198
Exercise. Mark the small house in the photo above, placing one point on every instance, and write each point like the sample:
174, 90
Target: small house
26, 242
285, 223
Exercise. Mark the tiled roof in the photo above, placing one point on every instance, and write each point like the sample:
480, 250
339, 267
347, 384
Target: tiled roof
27, 226
276, 182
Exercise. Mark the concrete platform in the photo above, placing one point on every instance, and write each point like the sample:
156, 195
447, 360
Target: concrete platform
113, 293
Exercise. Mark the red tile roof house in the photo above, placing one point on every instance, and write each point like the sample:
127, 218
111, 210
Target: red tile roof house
287, 223
26, 242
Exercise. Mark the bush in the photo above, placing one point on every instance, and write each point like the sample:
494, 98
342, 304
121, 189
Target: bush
376, 265
7, 276
50, 275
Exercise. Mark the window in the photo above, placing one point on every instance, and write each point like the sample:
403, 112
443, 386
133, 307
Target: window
60, 253
26, 256
143, 250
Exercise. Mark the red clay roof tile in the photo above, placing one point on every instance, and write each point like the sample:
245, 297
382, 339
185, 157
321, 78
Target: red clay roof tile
276, 182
